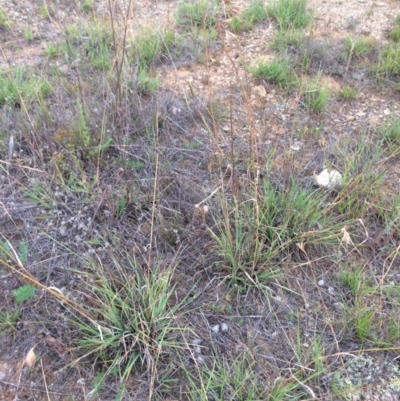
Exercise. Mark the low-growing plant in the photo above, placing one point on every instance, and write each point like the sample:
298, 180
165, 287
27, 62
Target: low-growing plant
87, 5
22, 83
315, 96
291, 38
28, 34
148, 44
362, 181
9, 321
352, 279
236, 377
197, 14
363, 321
133, 319
23, 293
254, 13
359, 47
4, 21
290, 14
388, 61
394, 34
147, 83
391, 135
348, 92
51, 50
47, 11
95, 38
277, 72
285, 215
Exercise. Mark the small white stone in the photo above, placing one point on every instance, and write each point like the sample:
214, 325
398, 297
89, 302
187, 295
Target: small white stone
386, 112
224, 327
197, 350
329, 179
331, 290
215, 329
200, 359
197, 341
296, 146
321, 283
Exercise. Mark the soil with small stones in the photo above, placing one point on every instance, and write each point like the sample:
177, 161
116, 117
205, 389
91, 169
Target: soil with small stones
219, 80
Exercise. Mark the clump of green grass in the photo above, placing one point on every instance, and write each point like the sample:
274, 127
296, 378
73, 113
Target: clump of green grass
128, 320
352, 278
146, 47
277, 72
360, 47
363, 183
148, 44
348, 92
87, 5
394, 33
226, 377
4, 21
28, 34
146, 82
197, 14
9, 321
292, 38
96, 40
285, 215
256, 12
290, 14
47, 11
388, 61
22, 83
391, 135
52, 50
315, 96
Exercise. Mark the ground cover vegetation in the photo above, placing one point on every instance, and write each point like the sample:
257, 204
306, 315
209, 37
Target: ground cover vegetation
161, 244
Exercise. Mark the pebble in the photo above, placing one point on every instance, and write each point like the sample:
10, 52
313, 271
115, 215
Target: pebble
386, 112
329, 178
331, 290
200, 359
215, 328
321, 283
224, 327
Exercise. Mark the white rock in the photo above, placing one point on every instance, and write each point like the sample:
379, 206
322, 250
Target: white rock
331, 291
329, 178
215, 329
224, 327
197, 341
200, 359
321, 283
296, 146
